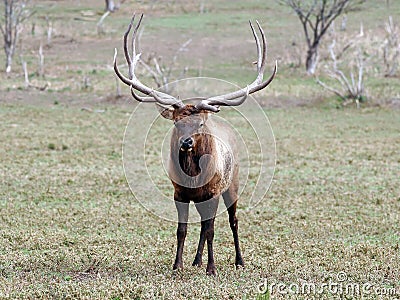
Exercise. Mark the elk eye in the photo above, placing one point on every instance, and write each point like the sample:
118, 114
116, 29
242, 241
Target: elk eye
201, 124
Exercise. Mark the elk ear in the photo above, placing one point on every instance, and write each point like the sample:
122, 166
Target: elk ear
166, 112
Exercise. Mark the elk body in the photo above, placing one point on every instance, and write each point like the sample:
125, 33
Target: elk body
203, 156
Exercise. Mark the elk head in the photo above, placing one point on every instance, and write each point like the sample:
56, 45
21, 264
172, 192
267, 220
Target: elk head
190, 125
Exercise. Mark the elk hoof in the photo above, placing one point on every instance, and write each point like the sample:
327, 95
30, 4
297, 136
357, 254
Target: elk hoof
197, 262
177, 266
211, 270
238, 267
239, 263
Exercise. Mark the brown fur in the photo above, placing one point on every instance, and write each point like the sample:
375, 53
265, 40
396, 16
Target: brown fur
187, 177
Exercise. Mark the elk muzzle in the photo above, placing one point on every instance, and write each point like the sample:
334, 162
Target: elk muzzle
187, 144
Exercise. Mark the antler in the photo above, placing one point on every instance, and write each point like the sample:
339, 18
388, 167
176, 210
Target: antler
132, 81
238, 97
211, 103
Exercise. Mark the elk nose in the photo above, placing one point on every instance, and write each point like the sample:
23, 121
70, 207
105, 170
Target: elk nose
187, 144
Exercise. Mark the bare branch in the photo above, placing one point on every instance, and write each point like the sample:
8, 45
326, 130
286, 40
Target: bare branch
41, 61
100, 29
331, 89
153, 74
49, 30
28, 84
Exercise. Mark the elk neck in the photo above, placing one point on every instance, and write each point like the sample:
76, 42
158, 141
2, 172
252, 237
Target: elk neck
189, 161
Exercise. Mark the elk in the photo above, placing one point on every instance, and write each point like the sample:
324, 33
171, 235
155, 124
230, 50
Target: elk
203, 156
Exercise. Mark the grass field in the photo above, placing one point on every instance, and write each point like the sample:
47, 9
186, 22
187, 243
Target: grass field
70, 227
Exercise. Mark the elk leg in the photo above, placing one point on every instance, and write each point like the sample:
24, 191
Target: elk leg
183, 209
230, 200
210, 237
207, 211
198, 261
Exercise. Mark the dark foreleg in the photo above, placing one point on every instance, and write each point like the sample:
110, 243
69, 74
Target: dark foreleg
207, 211
198, 261
183, 209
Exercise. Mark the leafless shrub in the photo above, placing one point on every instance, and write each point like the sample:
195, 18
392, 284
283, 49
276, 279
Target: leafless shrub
343, 25
161, 73
49, 30
347, 66
41, 61
28, 84
344, 43
391, 48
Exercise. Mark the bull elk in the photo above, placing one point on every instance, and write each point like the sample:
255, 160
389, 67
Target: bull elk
203, 156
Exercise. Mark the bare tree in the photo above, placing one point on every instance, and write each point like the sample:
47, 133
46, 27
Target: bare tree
316, 16
15, 13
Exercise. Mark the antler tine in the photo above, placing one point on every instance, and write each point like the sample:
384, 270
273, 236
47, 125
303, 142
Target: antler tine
267, 82
213, 105
134, 36
117, 71
259, 55
264, 52
140, 98
205, 106
238, 97
126, 51
132, 81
